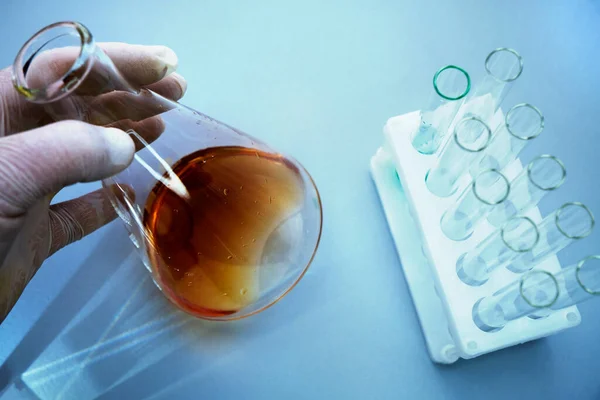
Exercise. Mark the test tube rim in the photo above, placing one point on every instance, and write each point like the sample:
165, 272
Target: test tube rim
517, 107
487, 130
515, 53
580, 265
539, 271
577, 204
447, 67
560, 164
529, 220
474, 185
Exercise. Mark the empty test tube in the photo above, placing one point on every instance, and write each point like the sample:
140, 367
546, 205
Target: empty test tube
518, 235
521, 125
543, 174
534, 291
577, 283
471, 136
489, 189
451, 85
503, 66
571, 222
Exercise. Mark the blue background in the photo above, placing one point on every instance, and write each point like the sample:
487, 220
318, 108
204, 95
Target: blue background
318, 79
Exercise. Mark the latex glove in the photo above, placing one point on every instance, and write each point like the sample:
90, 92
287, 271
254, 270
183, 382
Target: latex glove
39, 157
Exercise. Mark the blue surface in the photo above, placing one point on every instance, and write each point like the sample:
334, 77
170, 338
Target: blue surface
318, 80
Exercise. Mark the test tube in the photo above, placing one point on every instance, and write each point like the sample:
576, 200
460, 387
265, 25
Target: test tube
471, 136
522, 124
534, 291
451, 85
543, 174
577, 283
503, 66
489, 189
571, 222
518, 235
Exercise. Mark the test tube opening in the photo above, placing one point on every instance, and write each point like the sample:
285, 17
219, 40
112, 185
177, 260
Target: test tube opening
574, 220
520, 234
534, 291
539, 288
472, 134
588, 274
543, 174
504, 64
524, 121
452, 83
546, 172
486, 191
491, 187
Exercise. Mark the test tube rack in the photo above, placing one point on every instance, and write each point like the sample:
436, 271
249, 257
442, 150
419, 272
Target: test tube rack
443, 302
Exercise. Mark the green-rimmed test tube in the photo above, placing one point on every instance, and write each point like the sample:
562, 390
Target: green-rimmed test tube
532, 292
470, 137
518, 235
542, 175
571, 222
451, 85
521, 125
489, 189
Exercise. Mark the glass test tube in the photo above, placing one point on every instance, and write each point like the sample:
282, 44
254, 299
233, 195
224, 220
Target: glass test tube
577, 283
451, 85
503, 66
471, 136
543, 174
572, 221
518, 235
535, 290
489, 189
522, 124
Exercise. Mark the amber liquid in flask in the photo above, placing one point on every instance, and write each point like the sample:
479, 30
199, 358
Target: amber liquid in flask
213, 244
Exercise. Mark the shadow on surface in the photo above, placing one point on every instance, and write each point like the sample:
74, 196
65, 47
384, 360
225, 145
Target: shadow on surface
95, 270
198, 347
111, 332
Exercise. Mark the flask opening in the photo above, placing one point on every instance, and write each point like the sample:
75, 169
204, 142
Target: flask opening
53, 62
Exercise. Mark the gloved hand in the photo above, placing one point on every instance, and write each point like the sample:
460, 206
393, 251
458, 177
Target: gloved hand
39, 157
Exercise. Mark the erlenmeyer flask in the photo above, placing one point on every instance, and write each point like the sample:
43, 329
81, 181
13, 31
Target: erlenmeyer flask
225, 224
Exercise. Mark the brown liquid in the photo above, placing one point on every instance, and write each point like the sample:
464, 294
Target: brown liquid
208, 248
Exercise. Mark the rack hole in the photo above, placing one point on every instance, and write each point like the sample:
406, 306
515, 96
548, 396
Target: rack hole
572, 317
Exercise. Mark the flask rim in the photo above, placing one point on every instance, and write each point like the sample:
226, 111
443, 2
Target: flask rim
71, 79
